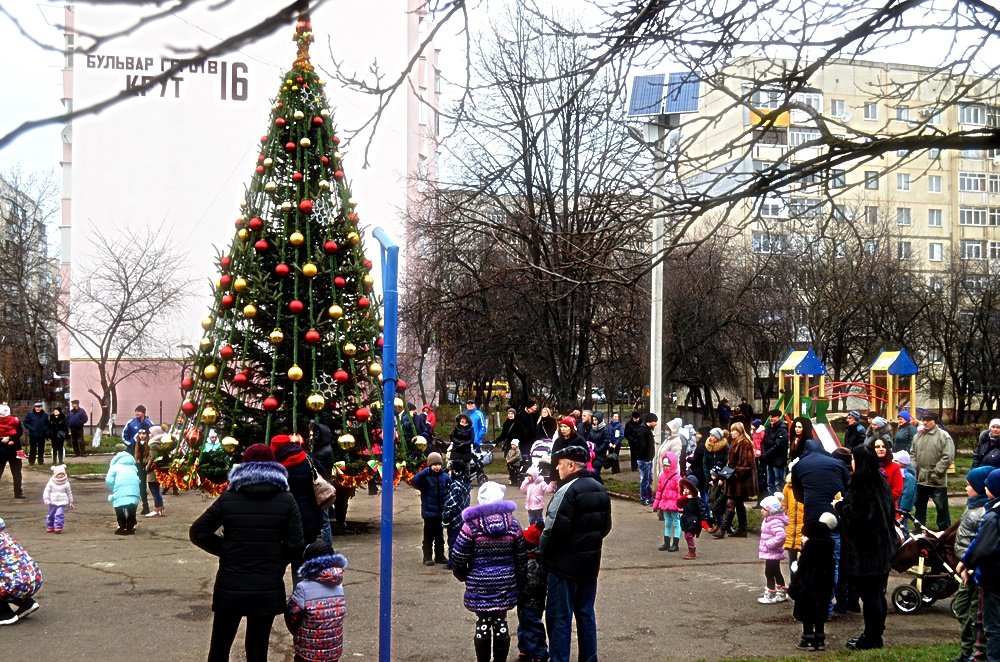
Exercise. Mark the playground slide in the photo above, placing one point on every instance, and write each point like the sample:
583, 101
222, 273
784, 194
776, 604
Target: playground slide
825, 433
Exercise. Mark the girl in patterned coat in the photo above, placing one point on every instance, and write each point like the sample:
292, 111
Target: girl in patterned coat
665, 502
316, 608
489, 558
20, 579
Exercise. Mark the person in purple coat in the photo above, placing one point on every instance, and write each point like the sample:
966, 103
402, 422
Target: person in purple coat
489, 558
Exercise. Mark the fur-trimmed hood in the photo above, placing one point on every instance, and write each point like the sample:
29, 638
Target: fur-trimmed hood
258, 474
713, 445
490, 518
327, 569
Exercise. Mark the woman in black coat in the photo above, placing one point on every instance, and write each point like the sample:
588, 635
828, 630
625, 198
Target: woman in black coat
869, 542
461, 439
300, 483
261, 534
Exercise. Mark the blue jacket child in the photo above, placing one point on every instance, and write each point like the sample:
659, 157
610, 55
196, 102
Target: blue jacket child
432, 481
123, 481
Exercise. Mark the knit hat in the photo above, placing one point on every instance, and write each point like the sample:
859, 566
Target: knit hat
599, 416
905, 415
993, 482
533, 534
258, 453
977, 478
4, 410
290, 455
829, 519
717, 433
434, 458
59, 471
459, 467
574, 453
901, 457
757, 421
772, 504
316, 548
490, 492
650, 418
854, 414
995, 421
279, 440
879, 422
843, 454
675, 425
568, 420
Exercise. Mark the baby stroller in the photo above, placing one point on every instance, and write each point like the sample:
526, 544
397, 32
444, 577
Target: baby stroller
933, 555
481, 458
539, 456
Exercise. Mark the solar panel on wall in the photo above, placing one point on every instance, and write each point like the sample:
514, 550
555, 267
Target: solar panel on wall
682, 93
647, 95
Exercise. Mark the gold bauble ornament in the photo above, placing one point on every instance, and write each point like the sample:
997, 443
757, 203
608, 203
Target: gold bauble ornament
207, 322
210, 371
167, 443
346, 441
350, 349
286, 206
354, 238
298, 114
268, 162
240, 284
206, 344
209, 415
296, 238
305, 142
276, 337
309, 270
243, 234
229, 444
374, 370
249, 311
352, 202
295, 373
243, 203
381, 325
218, 284
369, 282
419, 443
324, 185
335, 312
270, 186
315, 402
326, 111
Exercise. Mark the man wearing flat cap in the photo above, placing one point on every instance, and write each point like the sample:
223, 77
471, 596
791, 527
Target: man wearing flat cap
576, 523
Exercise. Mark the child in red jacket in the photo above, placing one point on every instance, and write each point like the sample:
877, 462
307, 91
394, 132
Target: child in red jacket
665, 502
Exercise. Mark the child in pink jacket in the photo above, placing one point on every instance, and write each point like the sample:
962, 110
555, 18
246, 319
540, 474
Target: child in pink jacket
665, 501
772, 548
535, 489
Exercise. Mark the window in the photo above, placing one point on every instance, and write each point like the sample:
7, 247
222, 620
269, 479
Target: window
805, 207
437, 81
974, 284
902, 153
903, 113
904, 250
974, 182
902, 181
934, 218
871, 247
972, 153
902, 215
838, 178
840, 213
935, 117
933, 183
811, 99
935, 252
937, 284
972, 216
994, 247
766, 99
871, 110
837, 107
764, 242
972, 114
797, 136
971, 249
871, 214
770, 209
771, 136
994, 214
871, 179
934, 153
994, 184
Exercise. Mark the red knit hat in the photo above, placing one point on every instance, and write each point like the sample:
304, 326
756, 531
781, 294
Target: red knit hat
568, 420
258, 453
533, 534
279, 440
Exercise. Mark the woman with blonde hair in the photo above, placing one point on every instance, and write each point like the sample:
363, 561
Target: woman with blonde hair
741, 484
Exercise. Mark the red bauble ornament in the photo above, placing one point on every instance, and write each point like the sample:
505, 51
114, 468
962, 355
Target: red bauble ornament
225, 263
324, 160
312, 336
380, 342
367, 263
238, 223
255, 223
363, 302
260, 158
240, 379
341, 376
318, 121
260, 170
289, 146
228, 301
338, 175
271, 403
227, 352
306, 206
297, 176
225, 281
281, 270
260, 245
187, 384
280, 121
280, 104
362, 414
263, 139
401, 385
339, 281
336, 140
295, 306
299, 79
188, 407
330, 247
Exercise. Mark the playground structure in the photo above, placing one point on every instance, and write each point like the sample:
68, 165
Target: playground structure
886, 388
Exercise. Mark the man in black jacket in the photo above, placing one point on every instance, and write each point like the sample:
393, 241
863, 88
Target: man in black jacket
855, 432
525, 428
774, 452
633, 428
576, 523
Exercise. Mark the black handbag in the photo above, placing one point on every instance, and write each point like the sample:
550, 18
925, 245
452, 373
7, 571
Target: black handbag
726, 473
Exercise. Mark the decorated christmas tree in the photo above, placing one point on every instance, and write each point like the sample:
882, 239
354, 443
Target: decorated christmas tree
294, 334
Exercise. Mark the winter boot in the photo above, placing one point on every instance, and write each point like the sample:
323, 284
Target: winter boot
724, 526
427, 554
782, 593
739, 533
665, 547
769, 598
673, 545
439, 552
806, 643
501, 647
482, 649
692, 553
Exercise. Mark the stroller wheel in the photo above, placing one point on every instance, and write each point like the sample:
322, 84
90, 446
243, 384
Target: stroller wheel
906, 599
925, 600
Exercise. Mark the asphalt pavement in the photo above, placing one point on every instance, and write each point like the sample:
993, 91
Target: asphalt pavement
148, 596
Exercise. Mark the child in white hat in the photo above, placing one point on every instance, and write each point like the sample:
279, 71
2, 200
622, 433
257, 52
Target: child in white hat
57, 495
772, 547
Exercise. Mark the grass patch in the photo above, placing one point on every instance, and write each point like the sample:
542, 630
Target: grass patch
83, 468
928, 653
